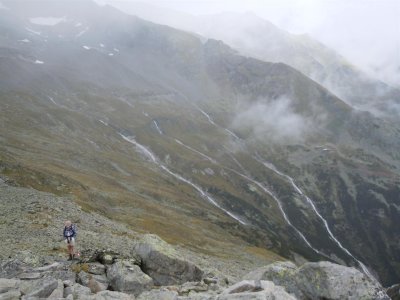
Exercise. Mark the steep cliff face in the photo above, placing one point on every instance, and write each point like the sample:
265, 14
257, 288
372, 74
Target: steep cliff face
168, 133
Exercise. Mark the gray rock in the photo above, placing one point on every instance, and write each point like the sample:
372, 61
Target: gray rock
325, 280
58, 292
63, 275
163, 264
394, 292
158, 295
244, 286
41, 288
96, 268
201, 296
68, 291
280, 273
47, 268
80, 292
196, 287
251, 289
10, 295
11, 268
110, 295
125, 276
96, 283
8, 284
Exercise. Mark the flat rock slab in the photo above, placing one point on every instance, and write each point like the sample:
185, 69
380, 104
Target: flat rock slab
38, 288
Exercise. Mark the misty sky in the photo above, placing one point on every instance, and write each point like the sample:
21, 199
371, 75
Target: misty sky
367, 32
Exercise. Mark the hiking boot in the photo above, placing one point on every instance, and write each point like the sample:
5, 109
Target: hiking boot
70, 257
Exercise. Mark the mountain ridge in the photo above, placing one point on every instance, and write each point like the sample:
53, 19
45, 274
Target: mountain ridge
144, 136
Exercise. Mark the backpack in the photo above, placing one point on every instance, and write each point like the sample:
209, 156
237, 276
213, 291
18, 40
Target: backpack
70, 231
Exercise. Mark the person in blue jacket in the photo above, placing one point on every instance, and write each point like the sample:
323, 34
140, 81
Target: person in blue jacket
69, 238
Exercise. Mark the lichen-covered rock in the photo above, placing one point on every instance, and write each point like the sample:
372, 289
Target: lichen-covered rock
163, 264
280, 273
96, 268
11, 268
125, 276
41, 288
325, 280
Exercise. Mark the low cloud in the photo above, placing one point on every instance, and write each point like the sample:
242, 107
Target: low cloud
272, 121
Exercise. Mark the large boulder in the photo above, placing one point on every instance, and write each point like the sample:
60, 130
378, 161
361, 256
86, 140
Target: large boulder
41, 288
125, 276
163, 263
325, 280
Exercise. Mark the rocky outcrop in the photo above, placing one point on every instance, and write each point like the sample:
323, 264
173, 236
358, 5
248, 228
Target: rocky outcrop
161, 262
321, 280
95, 278
325, 280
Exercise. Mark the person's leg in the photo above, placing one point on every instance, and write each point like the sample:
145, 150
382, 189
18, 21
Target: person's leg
70, 250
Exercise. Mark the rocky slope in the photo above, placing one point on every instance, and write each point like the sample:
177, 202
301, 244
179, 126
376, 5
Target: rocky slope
167, 133
133, 266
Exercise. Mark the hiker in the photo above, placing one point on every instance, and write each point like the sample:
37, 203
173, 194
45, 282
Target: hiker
69, 236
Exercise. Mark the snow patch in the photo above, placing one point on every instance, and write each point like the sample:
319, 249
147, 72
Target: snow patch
101, 45
110, 54
86, 47
39, 62
47, 21
116, 50
24, 41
